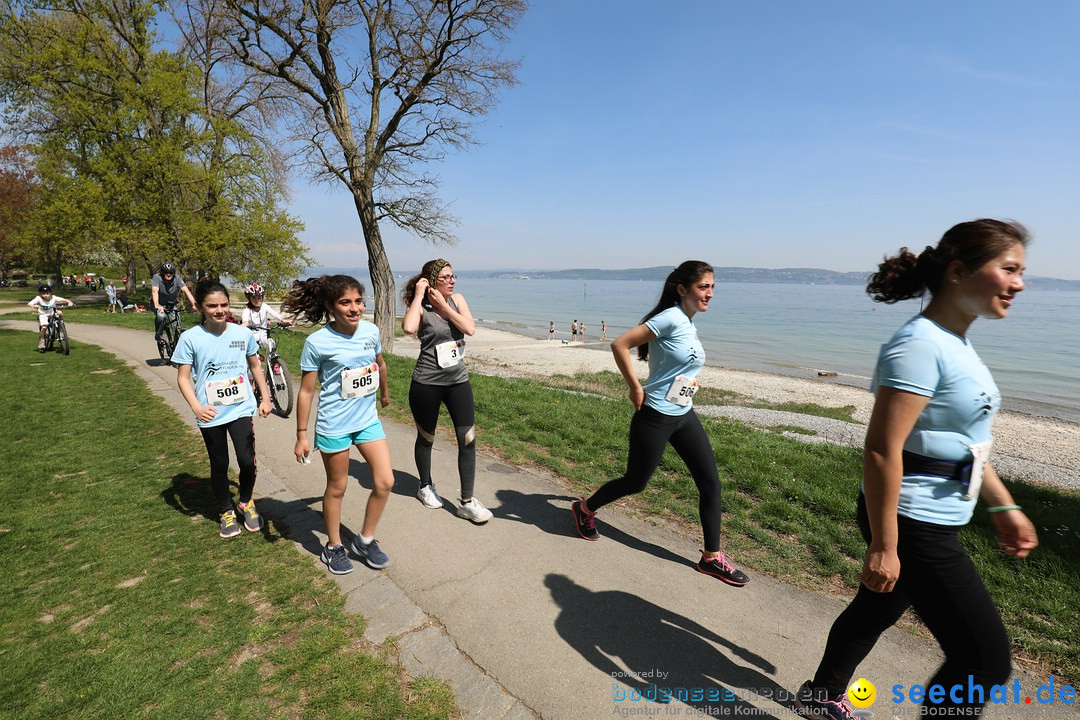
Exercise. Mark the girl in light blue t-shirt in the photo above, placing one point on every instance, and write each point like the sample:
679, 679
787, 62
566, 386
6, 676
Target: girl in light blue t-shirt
214, 361
345, 358
664, 407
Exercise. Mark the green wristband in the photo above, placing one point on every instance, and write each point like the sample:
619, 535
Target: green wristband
1003, 508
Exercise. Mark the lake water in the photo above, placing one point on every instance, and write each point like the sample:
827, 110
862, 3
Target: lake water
1034, 354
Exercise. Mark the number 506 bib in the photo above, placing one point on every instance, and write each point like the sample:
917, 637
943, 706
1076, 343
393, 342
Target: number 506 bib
682, 391
359, 382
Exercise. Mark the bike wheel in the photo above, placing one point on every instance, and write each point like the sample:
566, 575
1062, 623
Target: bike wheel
50, 337
62, 339
280, 386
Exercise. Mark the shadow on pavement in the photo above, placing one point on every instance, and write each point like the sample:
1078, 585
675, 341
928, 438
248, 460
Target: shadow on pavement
551, 513
647, 650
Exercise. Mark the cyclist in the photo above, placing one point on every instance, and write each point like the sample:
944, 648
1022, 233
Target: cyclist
165, 293
257, 315
46, 304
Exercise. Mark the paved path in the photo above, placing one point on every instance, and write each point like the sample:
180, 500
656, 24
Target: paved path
525, 619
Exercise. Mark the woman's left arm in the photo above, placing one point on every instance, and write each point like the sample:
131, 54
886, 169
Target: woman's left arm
462, 318
1016, 535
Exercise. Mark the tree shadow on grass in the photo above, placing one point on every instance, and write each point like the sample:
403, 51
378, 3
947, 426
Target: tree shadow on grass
191, 495
649, 652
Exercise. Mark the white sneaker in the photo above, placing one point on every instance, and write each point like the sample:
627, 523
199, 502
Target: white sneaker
429, 497
474, 511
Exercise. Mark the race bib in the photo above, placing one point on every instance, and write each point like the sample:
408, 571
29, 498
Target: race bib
450, 353
227, 392
359, 382
682, 391
980, 454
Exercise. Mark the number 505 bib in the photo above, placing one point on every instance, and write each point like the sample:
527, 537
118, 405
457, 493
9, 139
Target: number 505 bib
359, 382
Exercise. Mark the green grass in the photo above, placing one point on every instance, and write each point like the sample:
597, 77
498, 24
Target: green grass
120, 599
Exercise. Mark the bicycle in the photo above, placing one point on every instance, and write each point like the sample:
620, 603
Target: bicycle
56, 334
170, 334
278, 381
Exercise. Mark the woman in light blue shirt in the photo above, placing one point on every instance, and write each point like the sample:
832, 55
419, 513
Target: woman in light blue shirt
925, 466
664, 411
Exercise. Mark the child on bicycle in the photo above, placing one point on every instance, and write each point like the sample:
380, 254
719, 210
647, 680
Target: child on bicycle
213, 360
46, 304
257, 315
345, 358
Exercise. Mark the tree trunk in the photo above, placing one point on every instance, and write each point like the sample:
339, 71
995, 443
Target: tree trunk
382, 277
130, 285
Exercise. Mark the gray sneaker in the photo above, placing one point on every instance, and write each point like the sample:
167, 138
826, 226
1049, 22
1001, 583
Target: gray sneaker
227, 525
337, 560
474, 511
427, 495
371, 554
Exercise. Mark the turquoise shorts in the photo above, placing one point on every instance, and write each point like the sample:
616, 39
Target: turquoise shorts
372, 432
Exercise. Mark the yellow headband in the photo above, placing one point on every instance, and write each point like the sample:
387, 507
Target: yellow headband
436, 268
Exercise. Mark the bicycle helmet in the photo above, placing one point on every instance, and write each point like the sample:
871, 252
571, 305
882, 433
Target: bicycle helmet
255, 289
45, 288
167, 268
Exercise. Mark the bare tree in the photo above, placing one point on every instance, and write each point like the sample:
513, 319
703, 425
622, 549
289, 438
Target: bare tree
378, 89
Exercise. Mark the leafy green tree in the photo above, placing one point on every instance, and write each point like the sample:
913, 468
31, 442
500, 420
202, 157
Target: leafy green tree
376, 89
17, 196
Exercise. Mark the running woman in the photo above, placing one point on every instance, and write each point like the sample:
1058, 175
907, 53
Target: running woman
46, 304
664, 411
924, 468
345, 358
440, 318
214, 360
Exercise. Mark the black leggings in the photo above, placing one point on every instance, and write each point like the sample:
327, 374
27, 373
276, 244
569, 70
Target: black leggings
216, 438
424, 401
650, 432
939, 581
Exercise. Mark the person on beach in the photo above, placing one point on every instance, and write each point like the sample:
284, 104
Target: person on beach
440, 318
924, 468
551, 329
213, 361
664, 411
345, 358
573, 330
581, 331
603, 330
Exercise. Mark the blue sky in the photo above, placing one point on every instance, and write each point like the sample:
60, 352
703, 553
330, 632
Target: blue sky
765, 134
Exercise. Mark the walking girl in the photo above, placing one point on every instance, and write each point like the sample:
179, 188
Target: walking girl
345, 358
664, 411
214, 360
925, 466
440, 318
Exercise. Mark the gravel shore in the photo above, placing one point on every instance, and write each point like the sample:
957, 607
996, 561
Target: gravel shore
1032, 449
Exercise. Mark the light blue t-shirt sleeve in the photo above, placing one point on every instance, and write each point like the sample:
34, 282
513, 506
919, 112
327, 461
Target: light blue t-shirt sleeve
661, 324
252, 344
184, 354
309, 357
910, 365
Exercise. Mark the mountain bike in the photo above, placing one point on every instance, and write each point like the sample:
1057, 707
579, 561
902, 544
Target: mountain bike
170, 334
278, 381
56, 334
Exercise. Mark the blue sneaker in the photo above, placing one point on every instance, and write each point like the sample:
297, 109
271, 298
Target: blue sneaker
337, 560
810, 703
371, 554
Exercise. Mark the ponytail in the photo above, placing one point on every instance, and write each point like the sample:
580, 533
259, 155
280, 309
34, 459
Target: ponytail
309, 298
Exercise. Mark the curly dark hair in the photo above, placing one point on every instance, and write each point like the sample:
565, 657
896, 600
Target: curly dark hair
309, 298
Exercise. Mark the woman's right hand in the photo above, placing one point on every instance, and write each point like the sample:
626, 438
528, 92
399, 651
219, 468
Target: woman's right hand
637, 397
206, 413
422, 286
302, 449
881, 570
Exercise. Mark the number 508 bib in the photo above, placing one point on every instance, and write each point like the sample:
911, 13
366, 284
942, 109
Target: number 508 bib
359, 382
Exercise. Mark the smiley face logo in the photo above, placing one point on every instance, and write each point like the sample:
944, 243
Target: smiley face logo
862, 693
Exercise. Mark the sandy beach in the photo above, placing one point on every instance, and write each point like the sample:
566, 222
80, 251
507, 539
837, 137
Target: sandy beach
1029, 448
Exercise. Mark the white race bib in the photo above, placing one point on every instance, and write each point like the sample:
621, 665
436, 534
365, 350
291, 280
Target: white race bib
227, 392
359, 382
682, 391
450, 353
980, 454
